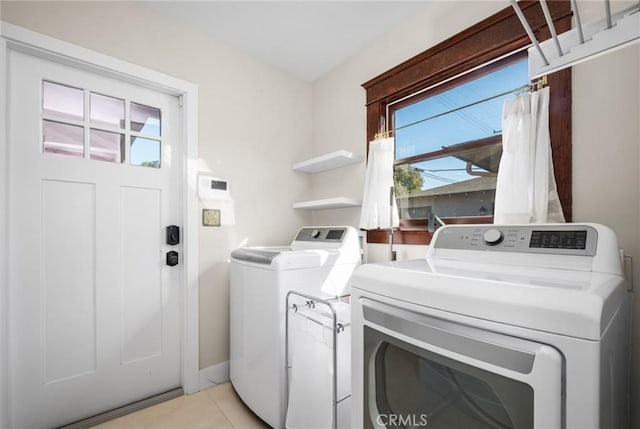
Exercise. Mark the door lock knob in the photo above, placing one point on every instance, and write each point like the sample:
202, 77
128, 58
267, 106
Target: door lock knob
172, 258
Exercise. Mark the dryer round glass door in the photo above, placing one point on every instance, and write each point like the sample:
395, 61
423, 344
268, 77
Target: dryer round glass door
420, 371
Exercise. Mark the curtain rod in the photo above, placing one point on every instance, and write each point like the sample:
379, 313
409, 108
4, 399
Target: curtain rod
537, 85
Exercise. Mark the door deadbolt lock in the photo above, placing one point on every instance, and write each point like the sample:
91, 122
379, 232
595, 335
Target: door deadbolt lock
172, 258
173, 235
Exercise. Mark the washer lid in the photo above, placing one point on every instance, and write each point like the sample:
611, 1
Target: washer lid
286, 258
258, 255
573, 303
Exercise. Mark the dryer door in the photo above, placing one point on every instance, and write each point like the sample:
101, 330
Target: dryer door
420, 371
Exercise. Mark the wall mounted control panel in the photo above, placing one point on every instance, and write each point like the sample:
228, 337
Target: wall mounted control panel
567, 239
212, 188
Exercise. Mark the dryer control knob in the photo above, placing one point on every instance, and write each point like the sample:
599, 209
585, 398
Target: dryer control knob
315, 233
493, 237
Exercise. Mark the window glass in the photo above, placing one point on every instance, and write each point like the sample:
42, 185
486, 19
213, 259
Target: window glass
107, 110
452, 146
451, 126
106, 146
62, 138
62, 101
145, 152
145, 120
109, 124
460, 185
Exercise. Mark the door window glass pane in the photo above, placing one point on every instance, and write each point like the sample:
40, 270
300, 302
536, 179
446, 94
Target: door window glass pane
425, 389
145, 152
145, 120
62, 138
62, 101
106, 146
107, 110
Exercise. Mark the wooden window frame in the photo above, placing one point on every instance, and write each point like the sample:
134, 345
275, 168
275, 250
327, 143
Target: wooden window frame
486, 41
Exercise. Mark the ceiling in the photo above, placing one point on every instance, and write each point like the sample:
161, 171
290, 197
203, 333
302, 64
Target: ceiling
304, 38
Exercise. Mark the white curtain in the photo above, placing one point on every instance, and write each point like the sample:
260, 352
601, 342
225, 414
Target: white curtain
378, 181
526, 187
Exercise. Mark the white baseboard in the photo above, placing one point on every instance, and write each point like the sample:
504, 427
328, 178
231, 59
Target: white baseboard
215, 374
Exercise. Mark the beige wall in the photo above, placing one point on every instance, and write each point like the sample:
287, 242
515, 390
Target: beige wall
606, 161
606, 130
254, 123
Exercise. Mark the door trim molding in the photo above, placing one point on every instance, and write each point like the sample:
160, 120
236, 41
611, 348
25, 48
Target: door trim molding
36, 44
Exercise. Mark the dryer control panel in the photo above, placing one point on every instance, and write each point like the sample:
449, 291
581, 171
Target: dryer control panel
580, 240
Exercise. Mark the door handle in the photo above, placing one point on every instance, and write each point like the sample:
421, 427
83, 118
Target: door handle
172, 258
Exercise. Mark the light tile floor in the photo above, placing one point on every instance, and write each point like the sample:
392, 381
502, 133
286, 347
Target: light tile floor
216, 408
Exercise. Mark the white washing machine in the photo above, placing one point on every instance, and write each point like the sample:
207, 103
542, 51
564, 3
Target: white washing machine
319, 262
500, 327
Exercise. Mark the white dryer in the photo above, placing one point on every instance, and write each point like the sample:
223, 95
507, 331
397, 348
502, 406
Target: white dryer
500, 327
319, 262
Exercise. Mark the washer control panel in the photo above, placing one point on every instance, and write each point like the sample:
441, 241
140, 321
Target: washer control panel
567, 239
331, 235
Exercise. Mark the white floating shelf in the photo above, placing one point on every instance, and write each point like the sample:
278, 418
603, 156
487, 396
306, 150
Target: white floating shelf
337, 159
328, 203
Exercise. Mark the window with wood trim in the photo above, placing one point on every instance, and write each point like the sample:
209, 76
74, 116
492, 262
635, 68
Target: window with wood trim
451, 159
448, 142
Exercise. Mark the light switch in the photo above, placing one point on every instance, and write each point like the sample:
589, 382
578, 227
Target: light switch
210, 217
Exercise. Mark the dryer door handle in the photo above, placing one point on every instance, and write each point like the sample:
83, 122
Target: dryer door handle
498, 350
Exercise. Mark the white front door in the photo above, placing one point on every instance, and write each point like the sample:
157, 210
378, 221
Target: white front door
94, 170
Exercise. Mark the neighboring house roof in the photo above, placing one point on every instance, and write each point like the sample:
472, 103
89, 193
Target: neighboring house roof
486, 158
472, 185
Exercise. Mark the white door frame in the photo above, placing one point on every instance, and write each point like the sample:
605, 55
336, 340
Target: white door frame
36, 44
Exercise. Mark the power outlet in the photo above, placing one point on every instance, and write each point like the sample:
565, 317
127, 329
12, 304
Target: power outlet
210, 217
